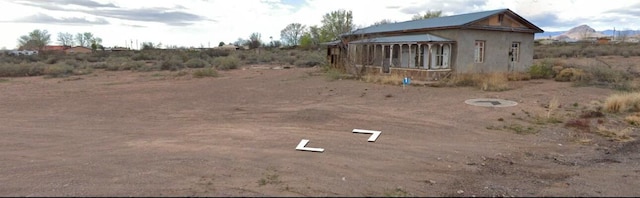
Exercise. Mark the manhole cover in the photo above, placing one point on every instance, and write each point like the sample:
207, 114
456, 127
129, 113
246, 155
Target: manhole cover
491, 102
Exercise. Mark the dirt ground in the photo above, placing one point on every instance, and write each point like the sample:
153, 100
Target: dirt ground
155, 134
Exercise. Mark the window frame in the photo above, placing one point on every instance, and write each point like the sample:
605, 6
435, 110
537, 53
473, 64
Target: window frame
515, 54
479, 51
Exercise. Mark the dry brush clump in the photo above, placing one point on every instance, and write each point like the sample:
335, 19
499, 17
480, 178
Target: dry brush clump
623, 102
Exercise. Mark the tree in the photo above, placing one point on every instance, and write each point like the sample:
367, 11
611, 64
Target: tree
254, 40
80, 40
241, 42
220, 44
292, 33
150, 45
65, 39
36, 39
336, 23
383, 21
429, 14
96, 42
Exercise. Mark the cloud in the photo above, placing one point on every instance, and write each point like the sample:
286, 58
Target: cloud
134, 26
546, 20
46, 19
632, 10
161, 15
169, 16
446, 6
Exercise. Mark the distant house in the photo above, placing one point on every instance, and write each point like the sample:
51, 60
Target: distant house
228, 47
59, 48
78, 49
604, 40
489, 41
23, 52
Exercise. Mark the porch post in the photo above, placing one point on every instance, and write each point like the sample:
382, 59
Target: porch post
429, 57
375, 49
391, 55
383, 53
400, 54
409, 65
419, 55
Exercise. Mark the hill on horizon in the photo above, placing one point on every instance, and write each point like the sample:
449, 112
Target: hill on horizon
578, 32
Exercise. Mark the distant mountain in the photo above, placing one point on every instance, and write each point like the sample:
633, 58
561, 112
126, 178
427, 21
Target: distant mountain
577, 33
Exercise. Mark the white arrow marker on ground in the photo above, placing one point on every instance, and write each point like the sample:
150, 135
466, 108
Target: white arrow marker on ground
303, 143
374, 134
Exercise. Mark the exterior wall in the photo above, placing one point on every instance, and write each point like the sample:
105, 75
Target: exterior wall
497, 46
74, 50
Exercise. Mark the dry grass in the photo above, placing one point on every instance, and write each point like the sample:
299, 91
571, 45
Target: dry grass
392, 79
486, 81
616, 135
623, 102
633, 119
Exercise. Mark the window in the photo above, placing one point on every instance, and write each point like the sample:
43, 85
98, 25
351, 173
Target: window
479, 52
500, 18
514, 54
439, 56
387, 51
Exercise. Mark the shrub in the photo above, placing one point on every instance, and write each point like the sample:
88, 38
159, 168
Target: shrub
226, 63
208, 72
132, 65
140, 56
17, 70
543, 70
310, 60
217, 53
572, 75
58, 70
172, 64
623, 102
196, 63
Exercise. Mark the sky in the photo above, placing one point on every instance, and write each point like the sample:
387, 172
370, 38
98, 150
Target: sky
195, 23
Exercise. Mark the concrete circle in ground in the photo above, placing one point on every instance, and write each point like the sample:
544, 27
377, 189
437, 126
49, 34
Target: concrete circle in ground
490, 102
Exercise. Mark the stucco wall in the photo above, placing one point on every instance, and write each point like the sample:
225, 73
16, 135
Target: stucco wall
497, 46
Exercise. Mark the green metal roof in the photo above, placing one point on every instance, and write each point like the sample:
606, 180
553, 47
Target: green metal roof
403, 39
439, 22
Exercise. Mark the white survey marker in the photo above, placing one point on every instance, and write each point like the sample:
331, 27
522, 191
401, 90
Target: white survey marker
303, 143
374, 134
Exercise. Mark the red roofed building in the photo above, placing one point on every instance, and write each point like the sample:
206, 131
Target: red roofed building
55, 48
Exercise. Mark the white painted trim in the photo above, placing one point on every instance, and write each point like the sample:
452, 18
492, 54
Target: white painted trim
303, 143
374, 134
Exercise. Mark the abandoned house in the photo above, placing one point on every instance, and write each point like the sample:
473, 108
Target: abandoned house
429, 49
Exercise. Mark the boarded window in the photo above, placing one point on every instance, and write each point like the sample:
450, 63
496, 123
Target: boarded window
479, 52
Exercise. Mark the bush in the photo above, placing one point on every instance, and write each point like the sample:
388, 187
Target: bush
132, 65
58, 70
310, 60
196, 63
18, 70
208, 72
541, 71
226, 63
140, 56
623, 102
572, 75
173, 64
217, 53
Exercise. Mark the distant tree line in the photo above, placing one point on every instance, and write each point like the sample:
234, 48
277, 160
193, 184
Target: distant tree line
37, 39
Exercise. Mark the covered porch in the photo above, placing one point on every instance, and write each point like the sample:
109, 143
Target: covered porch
423, 56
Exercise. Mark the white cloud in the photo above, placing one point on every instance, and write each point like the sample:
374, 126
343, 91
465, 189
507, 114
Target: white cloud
213, 21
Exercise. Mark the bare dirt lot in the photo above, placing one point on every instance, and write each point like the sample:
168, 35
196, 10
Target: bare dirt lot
153, 134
